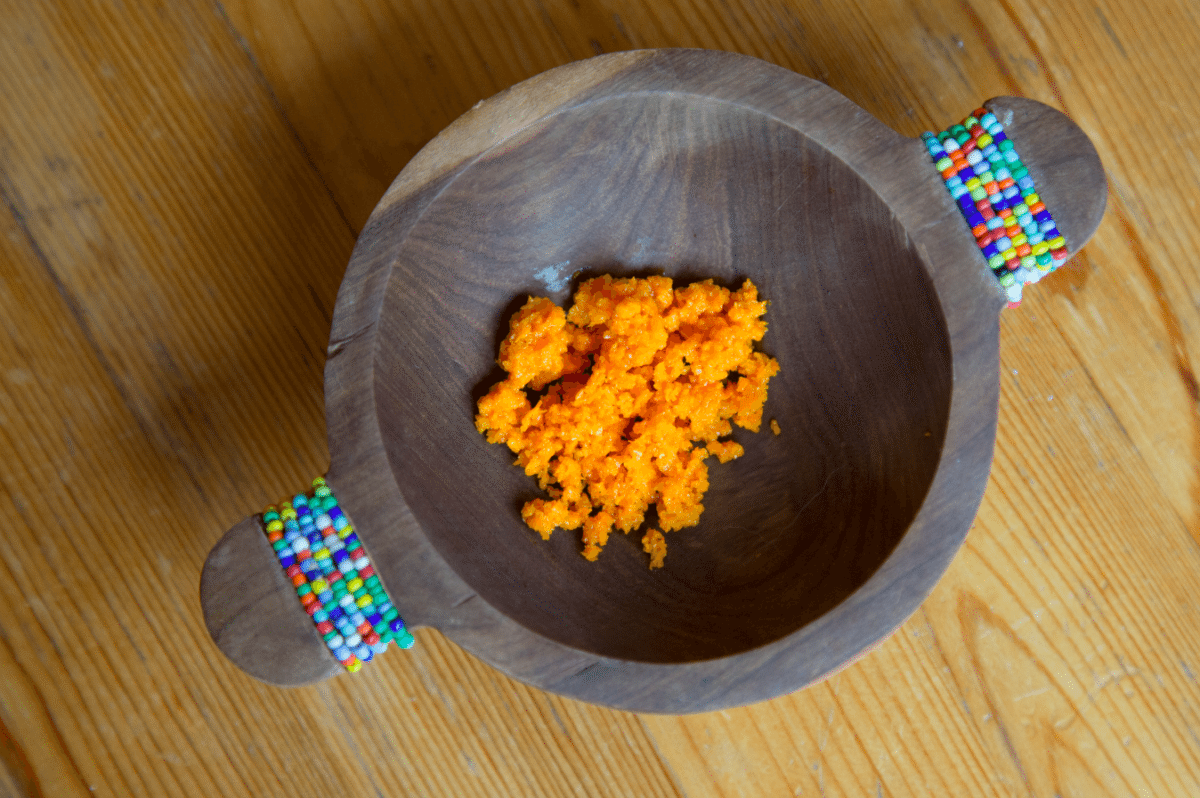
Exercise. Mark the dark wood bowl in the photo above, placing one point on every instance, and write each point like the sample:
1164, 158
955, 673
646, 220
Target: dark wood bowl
816, 544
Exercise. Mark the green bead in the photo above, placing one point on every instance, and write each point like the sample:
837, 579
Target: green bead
1007, 279
1018, 171
405, 640
279, 545
270, 515
371, 581
304, 589
1005, 146
391, 615
996, 261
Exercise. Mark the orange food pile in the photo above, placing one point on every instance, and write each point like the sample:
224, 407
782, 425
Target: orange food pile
638, 383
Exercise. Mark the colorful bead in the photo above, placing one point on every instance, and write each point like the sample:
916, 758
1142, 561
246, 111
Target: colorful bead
997, 197
332, 575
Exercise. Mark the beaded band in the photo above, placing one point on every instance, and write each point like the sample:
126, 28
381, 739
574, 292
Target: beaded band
334, 580
996, 195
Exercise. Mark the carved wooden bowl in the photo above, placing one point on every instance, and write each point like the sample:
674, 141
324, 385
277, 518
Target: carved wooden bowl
817, 543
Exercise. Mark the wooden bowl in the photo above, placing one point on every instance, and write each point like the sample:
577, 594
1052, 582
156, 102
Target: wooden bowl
815, 545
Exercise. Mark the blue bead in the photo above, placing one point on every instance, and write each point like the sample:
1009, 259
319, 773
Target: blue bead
336, 613
287, 560
325, 596
1026, 183
351, 538
974, 218
320, 616
397, 625
342, 653
374, 619
363, 652
990, 250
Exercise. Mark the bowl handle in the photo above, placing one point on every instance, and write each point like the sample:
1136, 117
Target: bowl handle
1064, 170
254, 596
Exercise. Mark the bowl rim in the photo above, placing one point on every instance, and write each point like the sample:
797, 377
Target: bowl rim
429, 592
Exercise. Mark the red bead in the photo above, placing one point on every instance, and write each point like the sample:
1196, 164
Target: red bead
364, 628
325, 627
365, 572
371, 638
293, 571
312, 606
333, 577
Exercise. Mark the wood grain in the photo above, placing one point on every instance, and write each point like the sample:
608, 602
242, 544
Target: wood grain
182, 187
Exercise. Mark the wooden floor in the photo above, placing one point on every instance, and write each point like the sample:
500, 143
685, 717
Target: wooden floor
182, 183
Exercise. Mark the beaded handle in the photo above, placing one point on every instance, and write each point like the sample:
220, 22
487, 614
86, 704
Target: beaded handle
997, 197
333, 576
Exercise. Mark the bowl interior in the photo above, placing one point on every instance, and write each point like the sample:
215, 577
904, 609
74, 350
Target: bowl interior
693, 188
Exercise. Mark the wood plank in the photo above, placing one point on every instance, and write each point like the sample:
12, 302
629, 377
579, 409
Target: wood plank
177, 185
